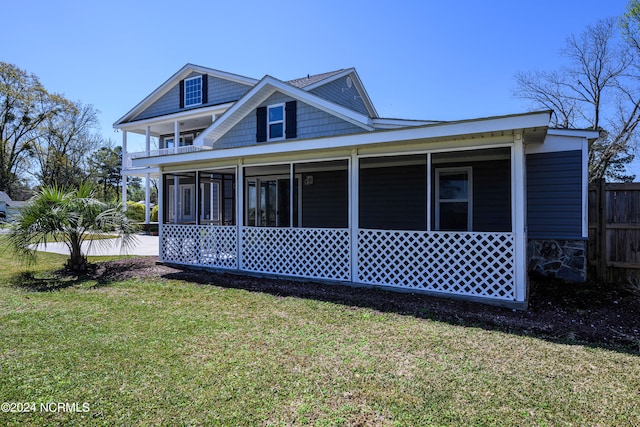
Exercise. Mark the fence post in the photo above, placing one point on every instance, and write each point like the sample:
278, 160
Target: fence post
601, 233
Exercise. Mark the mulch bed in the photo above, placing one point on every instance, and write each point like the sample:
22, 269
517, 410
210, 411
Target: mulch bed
602, 315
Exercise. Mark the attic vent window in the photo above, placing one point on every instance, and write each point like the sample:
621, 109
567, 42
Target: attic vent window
193, 91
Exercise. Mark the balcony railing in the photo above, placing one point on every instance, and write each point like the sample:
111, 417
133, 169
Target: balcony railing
128, 157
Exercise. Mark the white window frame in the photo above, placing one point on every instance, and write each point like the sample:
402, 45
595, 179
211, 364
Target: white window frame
275, 122
187, 104
469, 199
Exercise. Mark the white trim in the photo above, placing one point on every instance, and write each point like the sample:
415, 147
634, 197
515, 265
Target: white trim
555, 143
460, 131
263, 90
519, 216
275, 122
185, 92
354, 206
468, 200
179, 115
429, 191
161, 208
589, 134
239, 210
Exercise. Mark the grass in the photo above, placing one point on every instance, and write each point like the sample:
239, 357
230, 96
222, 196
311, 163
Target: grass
161, 352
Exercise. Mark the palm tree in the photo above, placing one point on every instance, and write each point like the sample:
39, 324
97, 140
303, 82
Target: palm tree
71, 216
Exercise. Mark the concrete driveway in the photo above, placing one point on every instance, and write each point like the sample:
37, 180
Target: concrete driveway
143, 246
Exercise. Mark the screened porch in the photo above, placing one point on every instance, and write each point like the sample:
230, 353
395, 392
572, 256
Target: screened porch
431, 221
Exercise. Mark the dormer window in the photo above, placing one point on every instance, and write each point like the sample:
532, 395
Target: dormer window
193, 91
275, 123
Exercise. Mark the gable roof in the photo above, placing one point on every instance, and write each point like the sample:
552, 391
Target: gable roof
265, 88
174, 80
309, 80
312, 82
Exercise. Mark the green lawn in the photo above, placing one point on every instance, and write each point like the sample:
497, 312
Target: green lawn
160, 352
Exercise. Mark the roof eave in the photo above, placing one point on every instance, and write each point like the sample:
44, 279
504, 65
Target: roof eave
176, 77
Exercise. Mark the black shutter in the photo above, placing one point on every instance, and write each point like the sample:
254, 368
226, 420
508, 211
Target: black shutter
291, 110
205, 88
181, 93
261, 124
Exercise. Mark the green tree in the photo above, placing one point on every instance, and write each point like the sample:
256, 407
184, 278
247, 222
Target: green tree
65, 143
105, 168
24, 106
72, 216
597, 89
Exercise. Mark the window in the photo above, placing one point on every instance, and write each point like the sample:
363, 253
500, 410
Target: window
453, 199
193, 91
183, 141
268, 201
275, 122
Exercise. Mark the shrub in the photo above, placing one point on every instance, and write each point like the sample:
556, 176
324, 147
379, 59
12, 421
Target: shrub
154, 214
135, 211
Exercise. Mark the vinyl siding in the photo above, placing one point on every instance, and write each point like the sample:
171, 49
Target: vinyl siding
220, 91
554, 195
337, 91
325, 203
312, 123
393, 198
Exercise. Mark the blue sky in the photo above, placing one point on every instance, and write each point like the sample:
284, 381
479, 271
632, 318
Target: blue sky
441, 60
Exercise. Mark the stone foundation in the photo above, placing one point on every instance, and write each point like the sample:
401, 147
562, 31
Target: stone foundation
558, 259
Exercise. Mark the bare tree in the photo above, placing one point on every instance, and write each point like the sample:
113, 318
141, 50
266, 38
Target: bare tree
597, 90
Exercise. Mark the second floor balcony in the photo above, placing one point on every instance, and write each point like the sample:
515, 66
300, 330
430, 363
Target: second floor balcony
127, 158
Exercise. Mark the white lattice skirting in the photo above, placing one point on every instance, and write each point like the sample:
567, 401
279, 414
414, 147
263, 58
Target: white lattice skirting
305, 252
207, 245
473, 264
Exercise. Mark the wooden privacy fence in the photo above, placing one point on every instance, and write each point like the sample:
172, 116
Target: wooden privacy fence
614, 232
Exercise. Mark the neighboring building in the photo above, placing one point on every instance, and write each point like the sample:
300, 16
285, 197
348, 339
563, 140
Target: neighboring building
302, 178
9, 208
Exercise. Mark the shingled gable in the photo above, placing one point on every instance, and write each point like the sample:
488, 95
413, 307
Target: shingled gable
265, 88
310, 83
175, 80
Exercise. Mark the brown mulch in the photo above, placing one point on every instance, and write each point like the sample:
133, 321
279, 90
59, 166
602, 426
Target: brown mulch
602, 315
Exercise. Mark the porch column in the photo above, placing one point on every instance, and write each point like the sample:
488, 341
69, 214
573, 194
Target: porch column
354, 174
147, 139
124, 168
176, 136
518, 213
176, 197
161, 206
147, 200
239, 212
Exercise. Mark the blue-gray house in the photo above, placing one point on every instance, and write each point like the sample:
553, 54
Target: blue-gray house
302, 178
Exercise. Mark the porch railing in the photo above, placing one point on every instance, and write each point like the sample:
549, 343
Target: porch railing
206, 245
465, 263
128, 157
474, 264
322, 253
